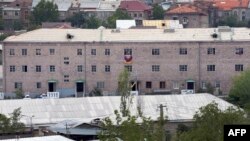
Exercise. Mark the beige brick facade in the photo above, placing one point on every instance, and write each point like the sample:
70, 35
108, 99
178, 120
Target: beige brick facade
169, 61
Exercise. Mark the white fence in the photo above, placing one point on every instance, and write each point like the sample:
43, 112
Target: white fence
187, 91
53, 95
1, 95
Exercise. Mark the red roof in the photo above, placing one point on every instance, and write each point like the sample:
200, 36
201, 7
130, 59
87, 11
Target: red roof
230, 4
134, 5
185, 9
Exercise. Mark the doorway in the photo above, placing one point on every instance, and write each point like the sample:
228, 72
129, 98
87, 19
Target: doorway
135, 86
52, 86
79, 89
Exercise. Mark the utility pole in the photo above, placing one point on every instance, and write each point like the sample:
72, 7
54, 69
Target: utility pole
161, 122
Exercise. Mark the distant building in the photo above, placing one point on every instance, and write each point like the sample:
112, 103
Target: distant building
190, 16
75, 61
238, 8
64, 25
138, 10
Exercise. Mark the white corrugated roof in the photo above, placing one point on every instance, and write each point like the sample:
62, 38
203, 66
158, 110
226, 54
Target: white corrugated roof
43, 138
47, 111
131, 35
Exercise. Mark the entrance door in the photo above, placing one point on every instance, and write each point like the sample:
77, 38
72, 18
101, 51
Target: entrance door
52, 86
79, 89
134, 86
190, 85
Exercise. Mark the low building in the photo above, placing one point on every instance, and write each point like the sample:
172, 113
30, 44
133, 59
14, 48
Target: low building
163, 24
138, 10
190, 16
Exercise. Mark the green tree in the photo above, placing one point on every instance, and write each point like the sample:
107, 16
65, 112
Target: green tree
17, 25
239, 92
124, 91
118, 15
232, 21
209, 122
11, 124
45, 11
3, 36
125, 126
93, 23
96, 92
158, 12
1, 24
77, 20
19, 93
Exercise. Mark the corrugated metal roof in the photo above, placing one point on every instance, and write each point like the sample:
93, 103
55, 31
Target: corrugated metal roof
48, 111
44, 138
131, 35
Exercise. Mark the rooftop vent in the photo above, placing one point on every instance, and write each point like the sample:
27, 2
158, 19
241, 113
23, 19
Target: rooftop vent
224, 29
69, 36
169, 30
214, 35
115, 30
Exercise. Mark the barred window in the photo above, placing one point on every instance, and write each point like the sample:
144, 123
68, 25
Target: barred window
148, 84
155, 51
100, 85
239, 51
183, 51
93, 51
128, 67
155, 68
93, 68
79, 68
38, 69
12, 68
211, 51
210, 67
127, 51
182, 67
107, 52
24, 52
239, 67
52, 68
107, 68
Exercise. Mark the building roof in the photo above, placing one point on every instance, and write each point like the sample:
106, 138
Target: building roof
134, 5
108, 5
131, 35
185, 9
230, 4
43, 138
48, 111
89, 4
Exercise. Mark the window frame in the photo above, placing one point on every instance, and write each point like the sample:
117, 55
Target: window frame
148, 85
155, 68
183, 51
211, 68
155, 51
183, 68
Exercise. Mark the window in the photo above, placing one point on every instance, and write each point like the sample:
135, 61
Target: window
38, 69
5, 13
100, 85
52, 51
12, 51
211, 51
12, 68
155, 51
175, 85
107, 52
210, 67
79, 68
107, 68
93, 51
93, 68
135, 15
155, 68
66, 60
38, 51
183, 51
162, 84
127, 51
52, 68
18, 85
217, 84
182, 67
149, 84
24, 52
66, 78
140, 15
203, 85
24, 68
128, 67
239, 67
79, 51
16, 13
185, 20
38, 85
239, 51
